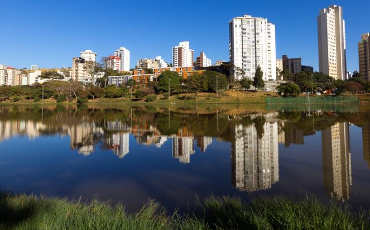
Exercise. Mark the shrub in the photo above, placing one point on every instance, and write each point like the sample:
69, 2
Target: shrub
140, 94
61, 98
289, 89
15, 99
82, 100
150, 98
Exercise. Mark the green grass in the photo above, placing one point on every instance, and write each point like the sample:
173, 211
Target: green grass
28, 212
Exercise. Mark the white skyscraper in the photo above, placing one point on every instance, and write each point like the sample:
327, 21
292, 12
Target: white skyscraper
332, 42
255, 157
124, 54
182, 55
88, 55
252, 44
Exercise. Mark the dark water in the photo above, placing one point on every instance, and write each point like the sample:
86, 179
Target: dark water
136, 154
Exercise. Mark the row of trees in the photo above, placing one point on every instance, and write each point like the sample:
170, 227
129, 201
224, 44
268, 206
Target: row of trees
318, 82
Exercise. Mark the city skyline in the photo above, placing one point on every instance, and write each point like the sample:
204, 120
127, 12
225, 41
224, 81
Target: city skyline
62, 46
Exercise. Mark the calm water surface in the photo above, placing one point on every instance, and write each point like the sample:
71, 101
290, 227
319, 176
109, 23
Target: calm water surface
137, 154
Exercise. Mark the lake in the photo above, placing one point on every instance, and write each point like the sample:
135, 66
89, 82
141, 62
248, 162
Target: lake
132, 155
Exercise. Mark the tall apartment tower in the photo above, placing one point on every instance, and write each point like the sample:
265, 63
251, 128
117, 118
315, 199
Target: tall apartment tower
83, 66
252, 44
255, 158
364, 56
182, 55
337, 161
124, 55
203, 61
332, 42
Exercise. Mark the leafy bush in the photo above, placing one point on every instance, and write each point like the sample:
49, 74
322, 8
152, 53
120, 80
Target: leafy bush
61, 98
150, 98
15, 99
113, 92
289, 89
140, 94
82, 100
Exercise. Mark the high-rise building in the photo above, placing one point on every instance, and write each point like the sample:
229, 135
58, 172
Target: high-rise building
124, 55
255, 157
182, 55
292, 65
203, 61
337, 161
252, 44
83, 66
113, 62
148, 63
366, 142
332, 42
364, 56
88, 55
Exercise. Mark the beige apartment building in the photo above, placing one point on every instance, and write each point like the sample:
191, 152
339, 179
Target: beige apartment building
364, 56
332, 42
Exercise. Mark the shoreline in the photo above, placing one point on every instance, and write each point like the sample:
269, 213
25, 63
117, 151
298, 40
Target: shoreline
211, 99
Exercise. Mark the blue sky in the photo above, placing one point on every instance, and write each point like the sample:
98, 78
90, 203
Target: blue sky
50, 32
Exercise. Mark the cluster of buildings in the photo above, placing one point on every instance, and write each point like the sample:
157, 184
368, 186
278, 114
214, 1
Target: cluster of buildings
252, 44
10, 76
254, 155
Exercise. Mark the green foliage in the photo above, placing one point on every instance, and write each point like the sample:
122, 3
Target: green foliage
82, 100
131, 82
61, 98
150, 98
215, 81
289, 89
139, 94
113, 92
28, 212
168, 80
15, 99
258, 79
246, 83
207, 81
96, 92
52, 74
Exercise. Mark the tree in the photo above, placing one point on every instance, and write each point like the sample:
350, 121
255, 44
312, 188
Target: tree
52, 74
195, 83
258, 79
214, 81
288, 89
113, 92
168, 80
355, 74
246, 83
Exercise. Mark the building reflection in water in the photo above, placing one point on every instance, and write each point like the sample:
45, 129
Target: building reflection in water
366, 142
182, 148
336, 159
255, 153
119, 143
255, 159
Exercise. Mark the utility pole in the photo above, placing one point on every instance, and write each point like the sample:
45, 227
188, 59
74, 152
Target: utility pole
42, 94
169, 89
217, 86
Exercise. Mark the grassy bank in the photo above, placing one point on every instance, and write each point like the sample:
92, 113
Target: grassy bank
26, 212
